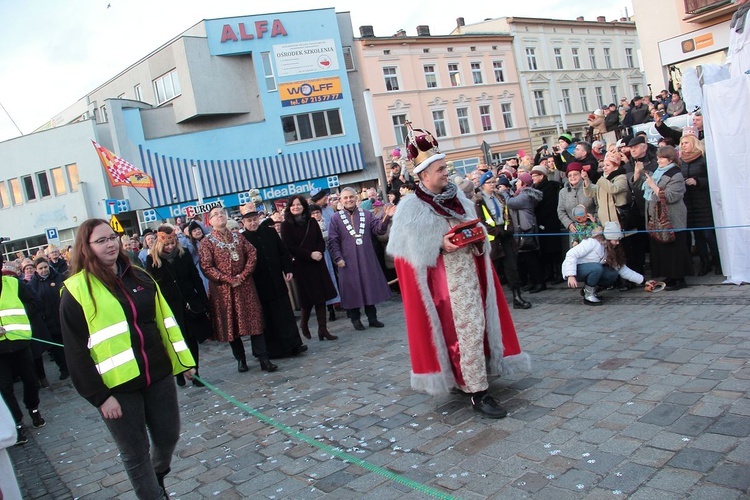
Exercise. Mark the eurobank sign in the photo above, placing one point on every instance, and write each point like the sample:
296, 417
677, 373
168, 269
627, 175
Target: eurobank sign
237, 199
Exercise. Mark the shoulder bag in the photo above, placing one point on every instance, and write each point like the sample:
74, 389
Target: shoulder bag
660, 226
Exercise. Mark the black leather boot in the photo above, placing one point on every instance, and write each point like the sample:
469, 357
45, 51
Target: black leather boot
242, 365
266, 365
705, 266
518, 301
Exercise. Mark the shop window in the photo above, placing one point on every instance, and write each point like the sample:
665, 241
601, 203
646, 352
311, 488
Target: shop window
308, 126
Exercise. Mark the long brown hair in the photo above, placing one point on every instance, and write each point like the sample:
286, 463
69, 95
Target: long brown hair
158, 246
615, 255
85, 260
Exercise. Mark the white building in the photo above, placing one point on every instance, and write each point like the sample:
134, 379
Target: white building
567, 69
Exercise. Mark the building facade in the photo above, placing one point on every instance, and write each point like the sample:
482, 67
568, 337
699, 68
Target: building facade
681, 34
231, 109
568, 69
462, 88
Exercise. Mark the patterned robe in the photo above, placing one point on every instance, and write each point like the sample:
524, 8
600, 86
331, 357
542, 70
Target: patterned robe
235, 312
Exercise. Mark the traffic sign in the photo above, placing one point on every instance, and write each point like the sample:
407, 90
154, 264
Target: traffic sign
115, 224
53, 236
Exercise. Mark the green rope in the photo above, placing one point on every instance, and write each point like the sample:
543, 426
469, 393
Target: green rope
346, 457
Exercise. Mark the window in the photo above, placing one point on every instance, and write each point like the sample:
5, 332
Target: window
592, 57
454, 75
103, 116
386, 52
425, 51
599, 97
138, 92
438, 118
576, 60
316, 125
391, 80
541, 110
507, 113
629, 57
558, 57
607, 58
15, 191
43, 182
268, 71
463, 120
566, 100
58, 180
430, 76
28, 187
167, 87
531, 58
613, 91
584, 99
348, 59
73, 179
485, 118
4, 196
636, 91
497, 67
399, 128
476, 73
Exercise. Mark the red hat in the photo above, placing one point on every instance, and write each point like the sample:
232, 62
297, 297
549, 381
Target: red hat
574, 167
525, 178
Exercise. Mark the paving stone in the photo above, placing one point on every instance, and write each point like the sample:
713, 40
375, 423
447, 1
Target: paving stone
732, 425
691, 425
695, 459
664, 414
711, 492
674, 480
731, 475
627, 478
573, 386
576, 480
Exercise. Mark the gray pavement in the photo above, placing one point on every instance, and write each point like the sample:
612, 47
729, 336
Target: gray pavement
645, 397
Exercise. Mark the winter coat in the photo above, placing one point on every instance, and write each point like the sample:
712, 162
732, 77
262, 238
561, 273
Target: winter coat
609, 192
522, 207
612, 121
598, 125
546, 215
498, 231
673, 185
48, 291
697, 198
570, 197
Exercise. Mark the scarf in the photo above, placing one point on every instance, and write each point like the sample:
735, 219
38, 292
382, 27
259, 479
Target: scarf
300, 220
656, 176
169, 256
691, 156
620, 171
445, 203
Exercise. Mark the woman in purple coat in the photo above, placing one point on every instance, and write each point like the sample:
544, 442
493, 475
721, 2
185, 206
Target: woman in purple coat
302, 236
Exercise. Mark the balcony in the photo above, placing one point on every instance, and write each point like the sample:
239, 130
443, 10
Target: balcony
700, 11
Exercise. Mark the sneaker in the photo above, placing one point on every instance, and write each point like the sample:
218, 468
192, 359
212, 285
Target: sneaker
36, 419
21, 435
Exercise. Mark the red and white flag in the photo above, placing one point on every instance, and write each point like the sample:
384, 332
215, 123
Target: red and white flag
122, 172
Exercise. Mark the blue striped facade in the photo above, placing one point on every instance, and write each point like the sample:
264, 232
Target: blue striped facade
173, 177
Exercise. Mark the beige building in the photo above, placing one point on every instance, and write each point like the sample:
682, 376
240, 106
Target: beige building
679, 34
462, 88
568, 68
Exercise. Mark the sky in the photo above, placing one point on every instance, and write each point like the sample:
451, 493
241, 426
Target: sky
53, 52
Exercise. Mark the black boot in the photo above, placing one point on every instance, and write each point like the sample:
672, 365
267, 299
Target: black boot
705, 266
266, 365
518, 301
486, 405
242, 365
160, 480
331, 313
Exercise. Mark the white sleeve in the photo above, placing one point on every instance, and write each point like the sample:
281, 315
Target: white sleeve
628, 274
570, 264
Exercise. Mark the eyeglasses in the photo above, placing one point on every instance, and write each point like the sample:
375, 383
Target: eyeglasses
105, 240
222, 214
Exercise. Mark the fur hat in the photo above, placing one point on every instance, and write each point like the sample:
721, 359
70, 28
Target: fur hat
540, 170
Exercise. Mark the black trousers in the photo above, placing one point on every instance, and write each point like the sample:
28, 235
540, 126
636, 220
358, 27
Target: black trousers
257, 344
20, 363
508, 264
370, 311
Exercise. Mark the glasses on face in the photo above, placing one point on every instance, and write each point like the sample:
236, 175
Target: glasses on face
105, 239
217, 214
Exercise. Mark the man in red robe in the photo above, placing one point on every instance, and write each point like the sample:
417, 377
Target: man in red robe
459, 326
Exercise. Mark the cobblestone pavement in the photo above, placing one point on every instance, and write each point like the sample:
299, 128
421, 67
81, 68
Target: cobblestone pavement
644, 397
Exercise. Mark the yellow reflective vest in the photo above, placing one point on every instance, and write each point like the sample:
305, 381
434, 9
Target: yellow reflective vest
488, 220
13, 316
109, 332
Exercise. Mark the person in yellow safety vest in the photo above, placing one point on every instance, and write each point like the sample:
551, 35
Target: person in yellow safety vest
16, 306
123, 346
496, 218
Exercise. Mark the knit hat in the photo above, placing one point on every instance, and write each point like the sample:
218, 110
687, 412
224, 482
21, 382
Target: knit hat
503, 181
317, 194
485, 177
525, 178
566, 137
540, 169
193, 225
574, 167
612, 231
579, 211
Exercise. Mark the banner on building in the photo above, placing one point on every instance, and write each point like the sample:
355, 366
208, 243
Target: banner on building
310, 91
121, 172
305, 57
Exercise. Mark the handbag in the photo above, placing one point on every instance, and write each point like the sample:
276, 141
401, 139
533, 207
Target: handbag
660, 226
526, 242
466, 233
627, 215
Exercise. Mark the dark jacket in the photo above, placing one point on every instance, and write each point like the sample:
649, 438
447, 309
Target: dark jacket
697, 198
274, 261
668, 132
649, 163
499, 232
137, 297
593, 165
612, 121
522, 207
180, 284
546, 215
48, 291
61, 267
